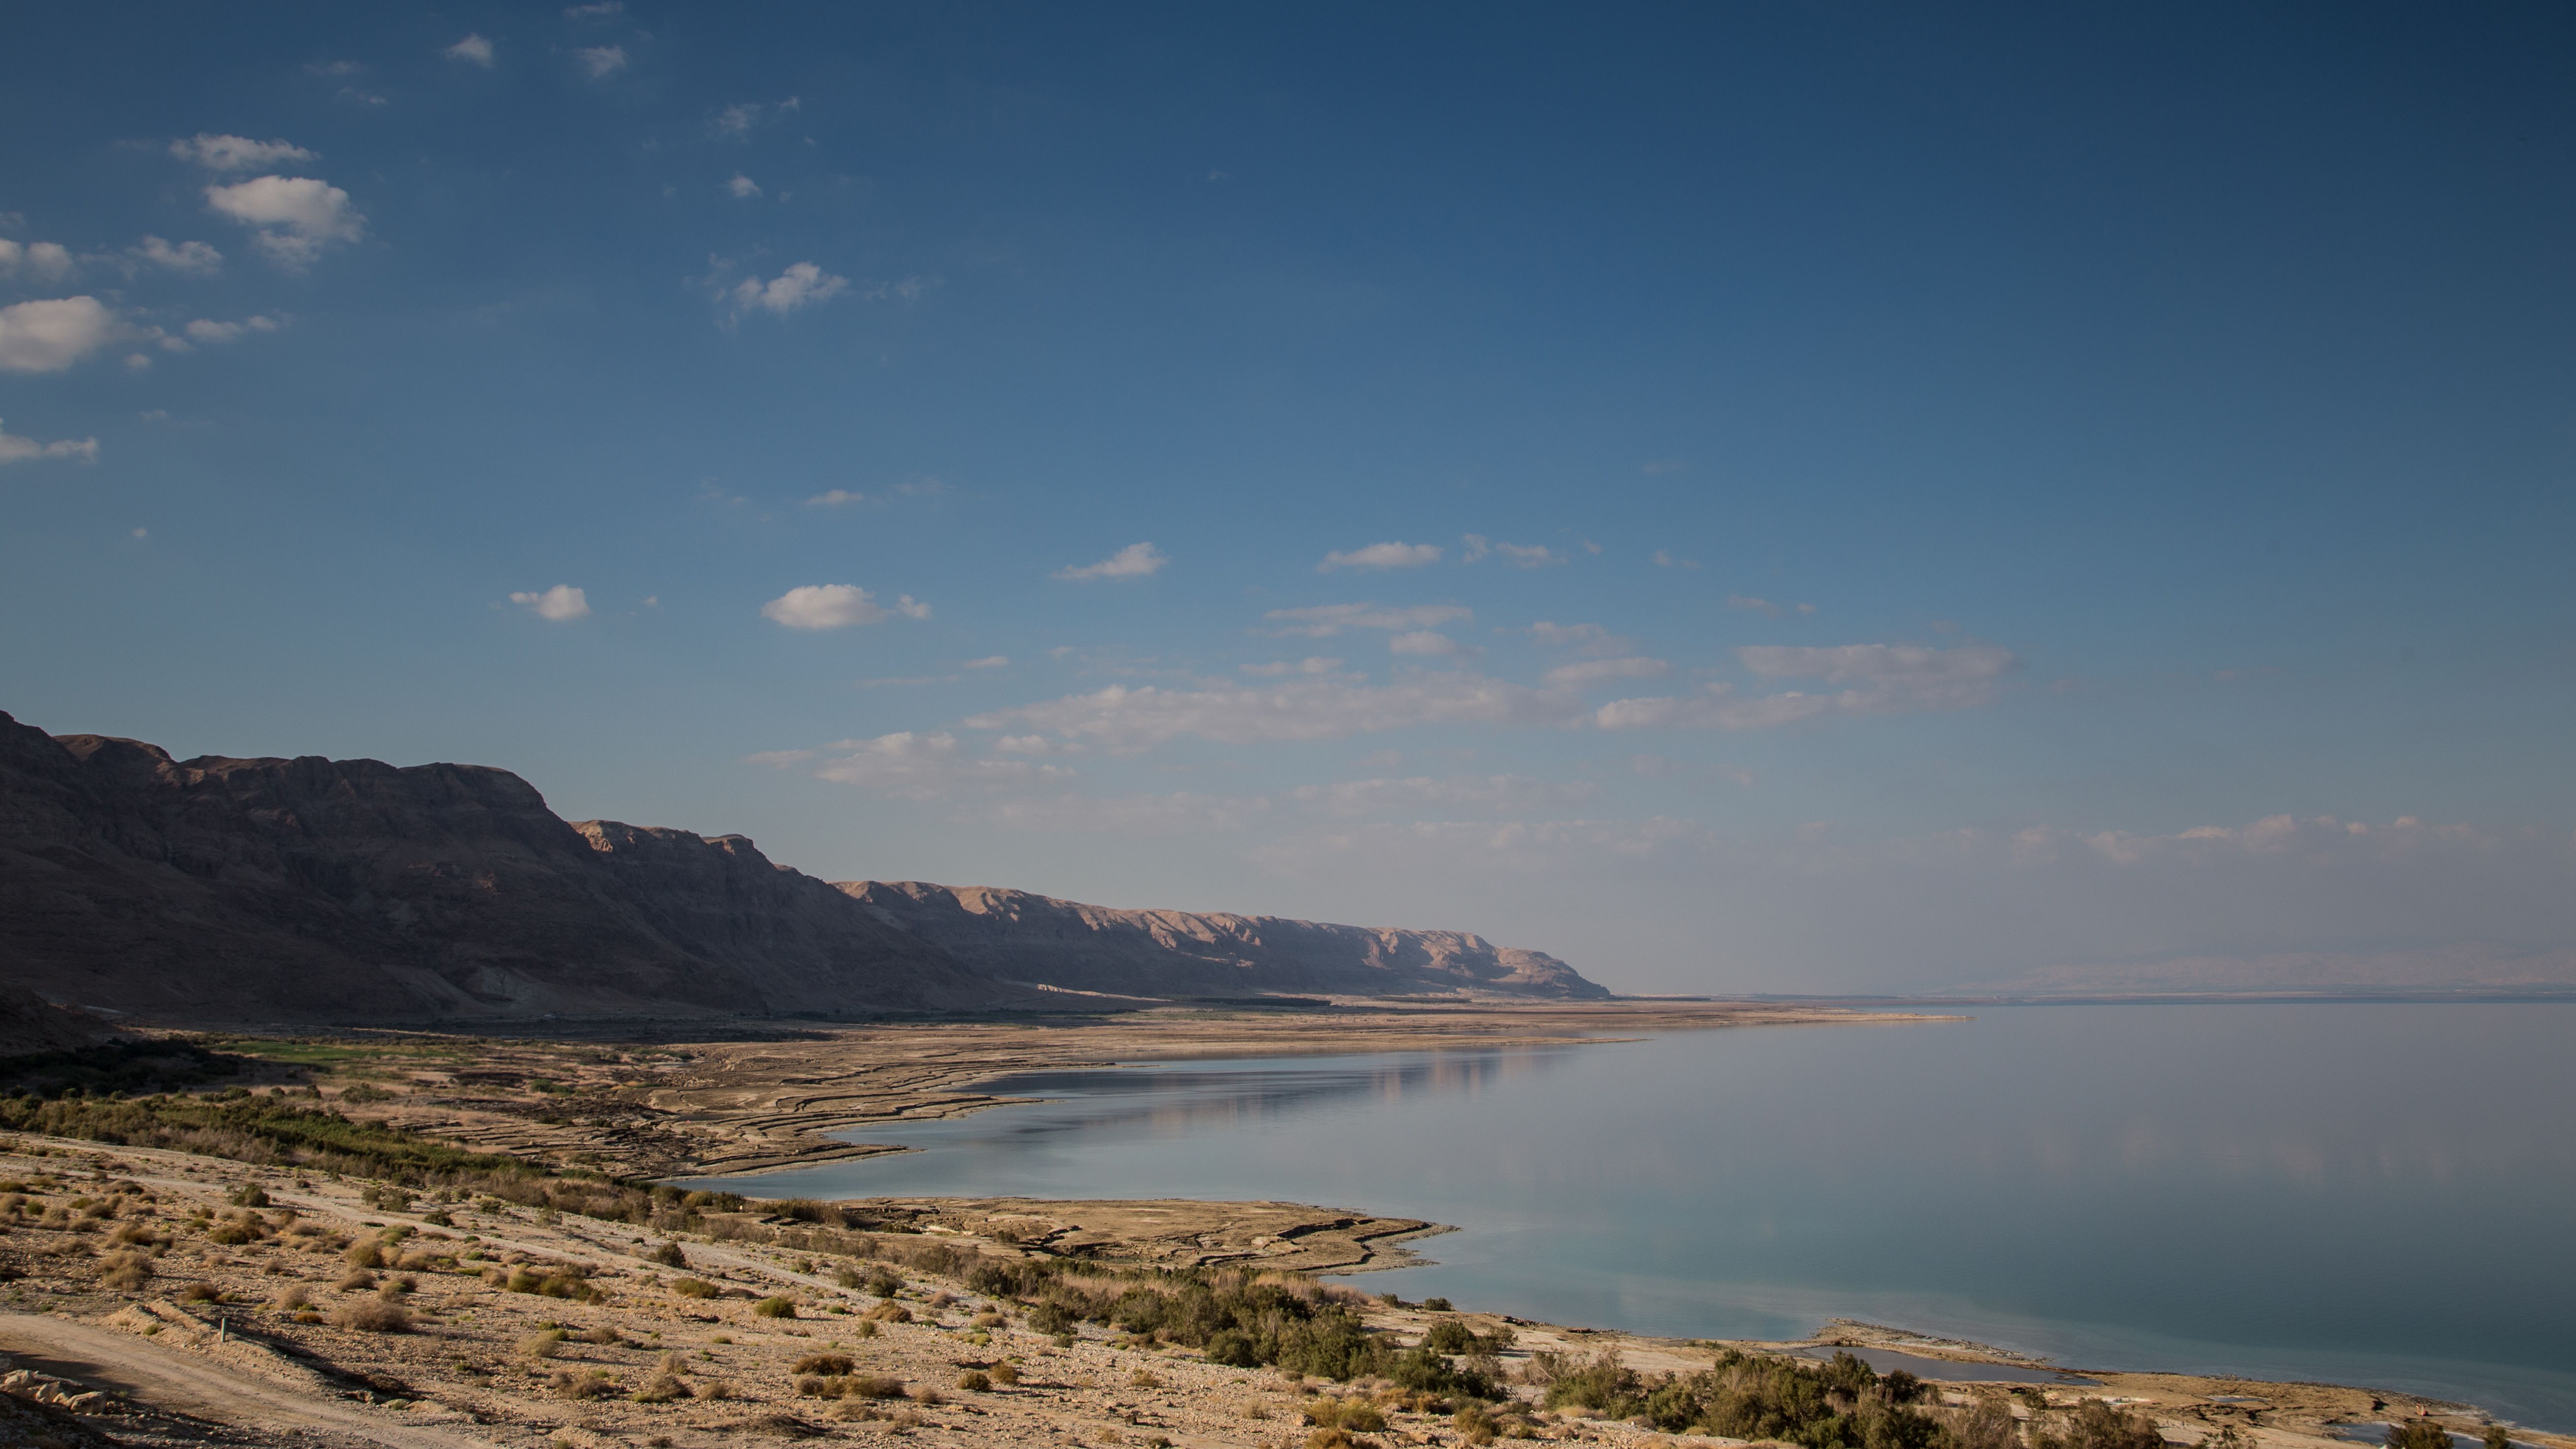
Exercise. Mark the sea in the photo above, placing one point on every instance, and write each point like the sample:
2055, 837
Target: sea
2373, 1194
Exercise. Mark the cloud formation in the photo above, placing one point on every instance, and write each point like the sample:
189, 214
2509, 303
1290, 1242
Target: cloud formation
16, 449
237, 153
835, 606
801, 285
1878, 679
1126, 720
1381, 556
48, 336
743, 187
188, 258
45, 261
559, 603
1135, 561
296, 216
1319, 621
1765, 607
1424, 644
473, 50
1601, 671
915, 765
600, 61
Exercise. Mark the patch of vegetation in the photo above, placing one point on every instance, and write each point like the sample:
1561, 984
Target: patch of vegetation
129, 1067
1844, 1404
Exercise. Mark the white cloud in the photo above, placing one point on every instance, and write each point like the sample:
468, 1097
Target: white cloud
189, 258
1589, 639
563, 601
743, 187
1280, 668
296, 215
989, 661
800, 285
1538, 848
1135, 561
1381, 556
1596, 671
911, 608
1664, 560
1500, 793
1890, 677
596, 10
204, 330
237, 153
1765, 607
919, 766
1126, 720
826, 606
49, 336
1034, 745
46, 261
1423, 643
1880, 679
1528, 556
835, 498
601, 61
1324, 620
473, 49
16, 449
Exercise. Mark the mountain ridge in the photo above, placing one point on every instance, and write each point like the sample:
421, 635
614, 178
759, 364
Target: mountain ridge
230, 890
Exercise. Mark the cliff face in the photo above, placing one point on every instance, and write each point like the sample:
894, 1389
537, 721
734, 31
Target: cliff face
348, 890
1016, 936
215, 890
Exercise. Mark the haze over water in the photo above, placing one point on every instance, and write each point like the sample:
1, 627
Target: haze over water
2357, 1193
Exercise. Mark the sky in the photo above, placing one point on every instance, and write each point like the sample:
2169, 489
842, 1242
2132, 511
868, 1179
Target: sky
1801, 499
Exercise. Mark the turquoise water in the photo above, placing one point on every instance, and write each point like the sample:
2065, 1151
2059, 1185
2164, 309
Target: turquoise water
2370, 1194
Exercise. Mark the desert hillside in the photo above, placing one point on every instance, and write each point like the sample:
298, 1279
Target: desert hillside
221, 890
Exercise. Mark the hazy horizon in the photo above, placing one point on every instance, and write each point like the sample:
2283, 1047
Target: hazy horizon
1743, 501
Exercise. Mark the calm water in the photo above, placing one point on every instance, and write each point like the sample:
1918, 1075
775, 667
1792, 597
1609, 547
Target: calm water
2371, 1194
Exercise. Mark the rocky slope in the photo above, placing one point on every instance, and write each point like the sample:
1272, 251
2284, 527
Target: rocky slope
224, 890
1016, 936
221, 890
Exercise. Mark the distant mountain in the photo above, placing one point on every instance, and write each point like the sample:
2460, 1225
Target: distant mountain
226, 891
1016, 936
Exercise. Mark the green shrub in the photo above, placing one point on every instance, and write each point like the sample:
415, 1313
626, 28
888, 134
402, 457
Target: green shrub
775, 1307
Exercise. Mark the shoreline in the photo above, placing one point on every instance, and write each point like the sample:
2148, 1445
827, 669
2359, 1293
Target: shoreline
735, 1111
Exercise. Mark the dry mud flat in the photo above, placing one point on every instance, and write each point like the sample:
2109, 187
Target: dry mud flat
152, 1298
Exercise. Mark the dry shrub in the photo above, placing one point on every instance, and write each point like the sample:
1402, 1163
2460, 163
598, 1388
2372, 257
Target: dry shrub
294, 1298
975, 1381
775, 1307
1006, 1374
813, 1387
128, 1271
929, 1397
990, 1319
1144, 1379
377, 1316
669, 1256
355, 1282
365, 1253
716, 1391
544, 1343
602, 1333
201, 1291
873, 1386
785, 1426
942, 1299
661, 1389
863, 1329
890, 1313
694, 1288
822, 1363
596, 1383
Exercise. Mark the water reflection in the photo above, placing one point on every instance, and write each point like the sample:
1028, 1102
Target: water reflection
2370, 1194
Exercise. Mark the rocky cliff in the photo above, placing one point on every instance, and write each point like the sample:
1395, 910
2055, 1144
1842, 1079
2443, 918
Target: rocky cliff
225, 890
219, 891
1016, 936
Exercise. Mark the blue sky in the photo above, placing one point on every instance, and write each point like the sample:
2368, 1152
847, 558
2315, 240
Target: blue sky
1846, 498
